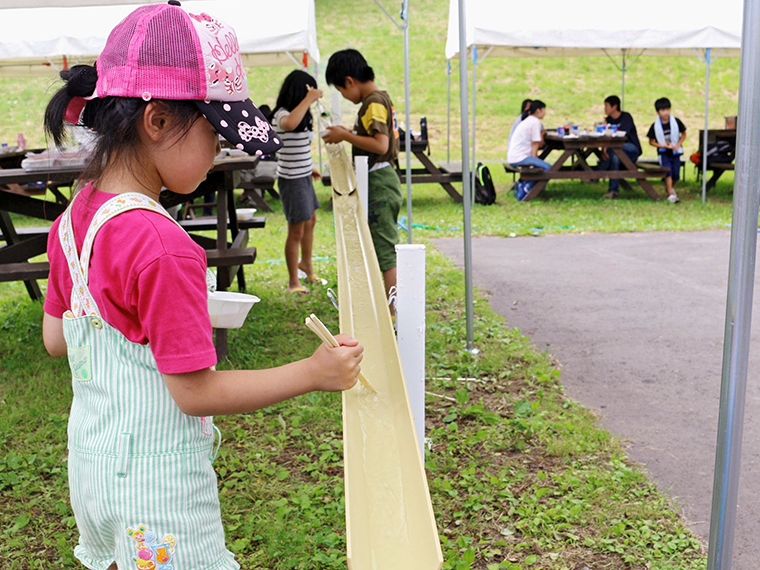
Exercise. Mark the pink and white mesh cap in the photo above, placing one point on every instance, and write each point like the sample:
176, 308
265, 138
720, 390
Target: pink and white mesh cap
161, 51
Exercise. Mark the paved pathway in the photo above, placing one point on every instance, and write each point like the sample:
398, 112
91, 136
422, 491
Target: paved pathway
636, 321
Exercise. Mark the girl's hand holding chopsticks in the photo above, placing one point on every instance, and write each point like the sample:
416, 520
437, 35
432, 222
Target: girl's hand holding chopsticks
336, 368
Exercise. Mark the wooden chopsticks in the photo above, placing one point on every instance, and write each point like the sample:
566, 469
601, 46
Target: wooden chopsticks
313, 322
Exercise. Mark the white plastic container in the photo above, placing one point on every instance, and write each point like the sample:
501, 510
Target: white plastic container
228, 310
245, 214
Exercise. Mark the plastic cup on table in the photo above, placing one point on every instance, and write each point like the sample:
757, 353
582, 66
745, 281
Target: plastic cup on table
614, 129
560, 131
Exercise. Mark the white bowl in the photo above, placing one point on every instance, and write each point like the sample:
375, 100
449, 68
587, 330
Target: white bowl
245, 214
228, 310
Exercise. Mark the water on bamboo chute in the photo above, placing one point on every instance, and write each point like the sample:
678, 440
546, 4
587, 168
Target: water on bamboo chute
389, 517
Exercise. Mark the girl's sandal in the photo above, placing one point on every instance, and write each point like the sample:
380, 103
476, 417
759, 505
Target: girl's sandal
300, 290
314, 279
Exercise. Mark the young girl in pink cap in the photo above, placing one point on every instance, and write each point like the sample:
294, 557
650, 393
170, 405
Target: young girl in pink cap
127, 294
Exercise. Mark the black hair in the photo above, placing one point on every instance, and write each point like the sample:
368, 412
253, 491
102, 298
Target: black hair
614, 101
266, 110
535, 105
113, 120
525, 102
662, 103
348, 63
292, 92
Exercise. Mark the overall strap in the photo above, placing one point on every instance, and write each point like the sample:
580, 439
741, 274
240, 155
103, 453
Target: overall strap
82, 302
112, 208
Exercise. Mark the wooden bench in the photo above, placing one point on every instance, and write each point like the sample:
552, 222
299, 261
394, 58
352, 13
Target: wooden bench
24, 271
653, 164
194, 225
39, 270
28, 233
209, 224
255, 183
230, 257
718, 168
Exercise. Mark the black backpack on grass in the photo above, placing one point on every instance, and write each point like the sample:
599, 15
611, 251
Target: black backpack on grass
485, 192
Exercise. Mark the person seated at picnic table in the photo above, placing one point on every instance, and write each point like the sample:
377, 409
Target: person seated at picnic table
523, 148
631, 147
524, 107
667, 133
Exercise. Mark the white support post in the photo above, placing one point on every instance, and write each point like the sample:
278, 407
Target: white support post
410, 322
361, 164
335, 109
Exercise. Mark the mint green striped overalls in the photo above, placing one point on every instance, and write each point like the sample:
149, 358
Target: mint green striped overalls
143, 490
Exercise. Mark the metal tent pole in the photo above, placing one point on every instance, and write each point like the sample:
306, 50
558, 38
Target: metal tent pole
741, 277
704, 135
404, 25
319, 121
466, 187
408, 133
473, 172
622, 87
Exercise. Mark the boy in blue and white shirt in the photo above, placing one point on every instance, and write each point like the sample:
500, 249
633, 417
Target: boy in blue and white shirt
667, 134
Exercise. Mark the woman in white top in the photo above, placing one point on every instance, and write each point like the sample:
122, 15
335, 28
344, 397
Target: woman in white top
523, 148
292, 120
523, 108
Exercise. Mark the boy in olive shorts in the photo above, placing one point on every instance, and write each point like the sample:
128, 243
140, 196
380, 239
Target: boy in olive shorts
375, 135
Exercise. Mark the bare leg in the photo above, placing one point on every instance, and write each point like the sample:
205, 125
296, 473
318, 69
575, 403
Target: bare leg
292, 245
669, 185
113, 566
307, 243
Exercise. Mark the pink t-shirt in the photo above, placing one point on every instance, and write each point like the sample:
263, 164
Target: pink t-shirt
147, 277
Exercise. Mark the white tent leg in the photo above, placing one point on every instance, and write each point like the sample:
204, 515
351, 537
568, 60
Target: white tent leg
704, 137
448, 110
741, 279
466, 187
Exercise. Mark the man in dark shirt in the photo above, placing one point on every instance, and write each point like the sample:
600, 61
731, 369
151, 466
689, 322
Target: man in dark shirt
632, 146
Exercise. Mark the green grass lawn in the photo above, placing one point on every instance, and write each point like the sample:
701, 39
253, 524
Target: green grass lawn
520, 476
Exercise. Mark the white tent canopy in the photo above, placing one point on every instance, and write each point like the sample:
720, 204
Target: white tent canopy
558, 28
40, 39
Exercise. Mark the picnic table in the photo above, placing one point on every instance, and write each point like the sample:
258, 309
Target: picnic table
714, 138
573, 163
23, 244
429, 171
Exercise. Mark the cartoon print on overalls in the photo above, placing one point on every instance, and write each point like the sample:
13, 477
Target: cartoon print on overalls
151, 554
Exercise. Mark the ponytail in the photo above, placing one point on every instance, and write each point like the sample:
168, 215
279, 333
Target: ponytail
80, 83
535, 105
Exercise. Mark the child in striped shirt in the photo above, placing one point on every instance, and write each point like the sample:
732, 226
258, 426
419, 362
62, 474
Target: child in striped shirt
293, 122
